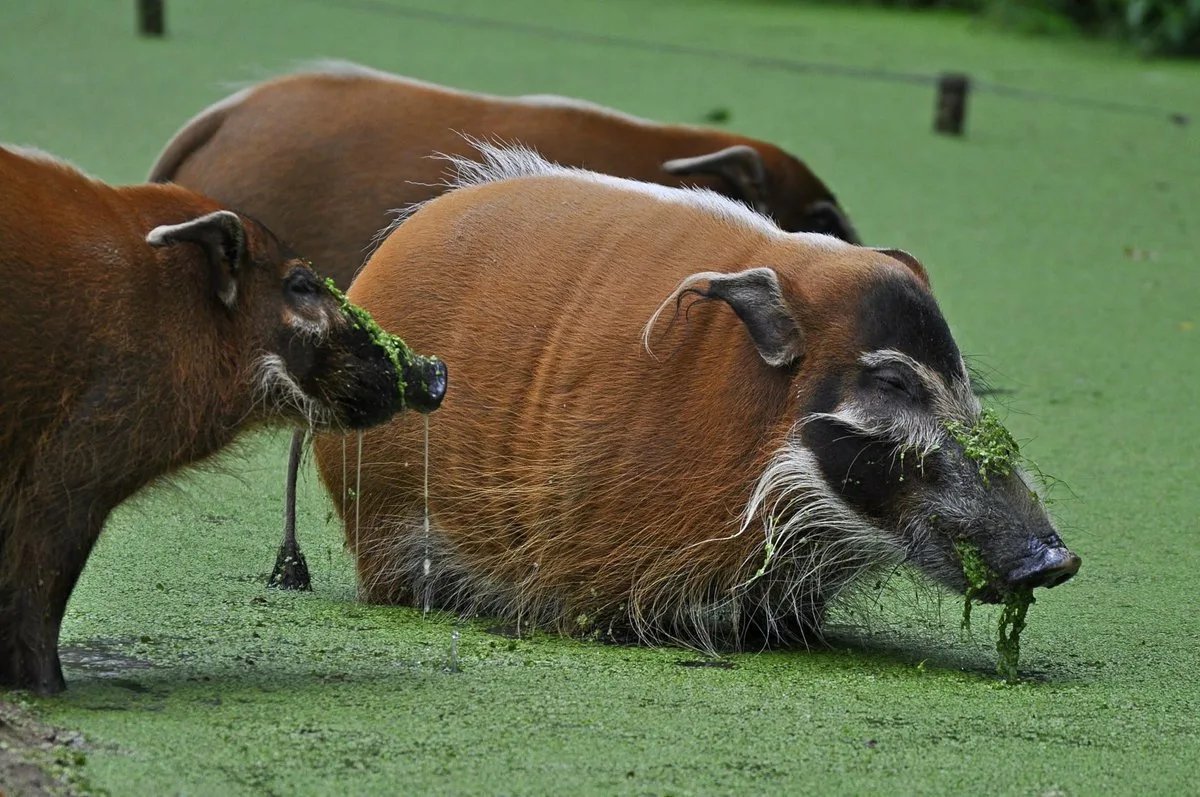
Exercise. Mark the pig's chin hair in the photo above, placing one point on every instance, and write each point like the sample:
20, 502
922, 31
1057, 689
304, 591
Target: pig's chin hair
278, 395
797, 547
917, 590
814, 546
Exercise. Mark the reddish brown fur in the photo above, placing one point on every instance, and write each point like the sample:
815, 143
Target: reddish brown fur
353, 145
119, 365
572, 473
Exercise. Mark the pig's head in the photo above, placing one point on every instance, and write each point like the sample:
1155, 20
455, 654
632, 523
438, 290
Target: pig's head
899, 434
320, 359
887, 454
775, 184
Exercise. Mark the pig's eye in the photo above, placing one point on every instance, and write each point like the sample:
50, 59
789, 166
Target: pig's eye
302, 283
893, 380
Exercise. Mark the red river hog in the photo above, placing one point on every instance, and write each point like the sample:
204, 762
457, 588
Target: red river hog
144, 328
672, 419
323, 156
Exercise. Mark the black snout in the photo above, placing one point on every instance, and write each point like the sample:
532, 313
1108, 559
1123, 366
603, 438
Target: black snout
1049, 567
425, 380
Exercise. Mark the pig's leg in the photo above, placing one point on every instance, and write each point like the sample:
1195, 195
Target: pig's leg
43, 556
291, 571
802, 627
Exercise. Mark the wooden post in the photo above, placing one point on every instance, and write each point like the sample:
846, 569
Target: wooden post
951, 110
150, 17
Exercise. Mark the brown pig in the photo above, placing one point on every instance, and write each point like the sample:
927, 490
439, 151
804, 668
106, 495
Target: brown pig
322, 156
672, 419
143, 329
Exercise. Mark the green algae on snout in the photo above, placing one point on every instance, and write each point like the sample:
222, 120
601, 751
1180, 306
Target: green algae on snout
988, 443
996, 453
1009, 627
977, 575
1015, 605
402, 357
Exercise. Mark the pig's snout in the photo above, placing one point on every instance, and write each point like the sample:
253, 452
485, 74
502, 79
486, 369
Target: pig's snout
1048, 567
425, 382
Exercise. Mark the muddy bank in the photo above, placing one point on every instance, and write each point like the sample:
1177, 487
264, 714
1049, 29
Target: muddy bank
37, 759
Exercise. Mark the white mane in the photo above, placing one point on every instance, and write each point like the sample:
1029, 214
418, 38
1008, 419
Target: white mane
499, 161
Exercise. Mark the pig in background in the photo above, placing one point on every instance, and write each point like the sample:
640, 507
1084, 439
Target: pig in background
324, 156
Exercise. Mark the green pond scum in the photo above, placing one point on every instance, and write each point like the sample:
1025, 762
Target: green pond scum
989, 443
402, 357
217, 685
1014, 606
994, 450
976, 574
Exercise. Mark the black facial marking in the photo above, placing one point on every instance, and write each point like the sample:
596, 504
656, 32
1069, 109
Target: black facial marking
359, 379
866, 471
348, 373
826, 395
896, 313
859, 468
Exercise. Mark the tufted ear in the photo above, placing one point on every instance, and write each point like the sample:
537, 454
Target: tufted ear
908, 260
757, 299
223, 237
740, 165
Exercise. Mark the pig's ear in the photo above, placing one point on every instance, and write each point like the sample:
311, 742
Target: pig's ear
740, 165
827, 218
223, 237
905, 259
756, 297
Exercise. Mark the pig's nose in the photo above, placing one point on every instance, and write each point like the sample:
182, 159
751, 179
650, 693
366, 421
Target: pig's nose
1049, 567
425, 379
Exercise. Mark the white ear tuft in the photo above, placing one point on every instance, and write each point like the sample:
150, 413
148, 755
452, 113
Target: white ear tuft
197, 230
224, 240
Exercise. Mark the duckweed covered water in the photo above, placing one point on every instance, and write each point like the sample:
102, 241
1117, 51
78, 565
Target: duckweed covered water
256, 692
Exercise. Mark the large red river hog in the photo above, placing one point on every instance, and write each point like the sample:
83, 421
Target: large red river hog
671, 420
323, 156
144, 328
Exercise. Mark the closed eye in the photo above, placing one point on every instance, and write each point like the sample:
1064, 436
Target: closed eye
893, 380
302, 283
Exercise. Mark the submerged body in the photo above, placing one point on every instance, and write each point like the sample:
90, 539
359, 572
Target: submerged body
671, 418
144, 328
324, 157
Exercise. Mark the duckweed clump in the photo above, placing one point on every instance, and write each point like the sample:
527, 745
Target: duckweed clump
1011, 622
989, 443
398, 352
977, 575
1009, 628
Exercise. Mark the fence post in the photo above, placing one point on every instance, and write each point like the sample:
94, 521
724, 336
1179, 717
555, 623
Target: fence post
951, 109
150, 17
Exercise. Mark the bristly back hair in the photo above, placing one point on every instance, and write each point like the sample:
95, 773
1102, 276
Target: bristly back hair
501, 160
42, 156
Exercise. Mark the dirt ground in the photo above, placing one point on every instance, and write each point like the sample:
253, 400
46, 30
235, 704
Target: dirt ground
37, 759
